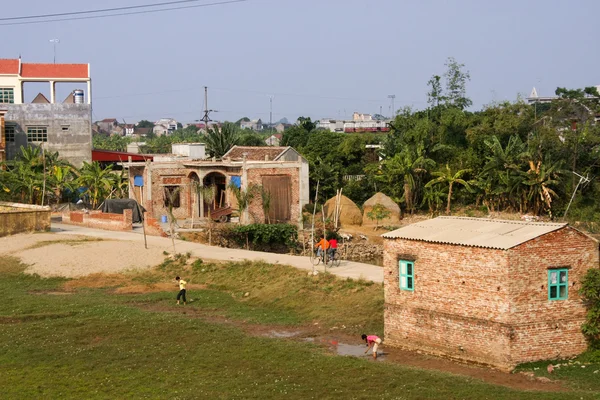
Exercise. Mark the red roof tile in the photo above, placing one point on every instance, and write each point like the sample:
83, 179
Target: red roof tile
9, 67
29, 70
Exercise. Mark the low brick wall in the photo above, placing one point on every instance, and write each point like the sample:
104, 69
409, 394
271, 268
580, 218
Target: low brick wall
152, 227
17, 218
100, 220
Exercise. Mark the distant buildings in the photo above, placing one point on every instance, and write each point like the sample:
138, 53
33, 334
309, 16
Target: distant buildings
535, 98
165, 126
359, 123
64, 127
255, 125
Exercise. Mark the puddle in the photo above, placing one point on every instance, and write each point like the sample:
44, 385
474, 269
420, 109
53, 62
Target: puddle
282, 334
344, 349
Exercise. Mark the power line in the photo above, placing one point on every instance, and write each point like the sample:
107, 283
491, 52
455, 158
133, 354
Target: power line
116, 14
98, 11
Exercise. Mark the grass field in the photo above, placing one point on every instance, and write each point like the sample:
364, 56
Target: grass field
64, 339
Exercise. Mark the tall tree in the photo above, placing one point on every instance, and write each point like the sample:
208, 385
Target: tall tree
456, 84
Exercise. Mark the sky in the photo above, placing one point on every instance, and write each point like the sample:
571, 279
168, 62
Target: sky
316, 58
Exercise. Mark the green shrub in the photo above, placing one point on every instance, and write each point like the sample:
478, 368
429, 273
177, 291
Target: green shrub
590, 292
266, 235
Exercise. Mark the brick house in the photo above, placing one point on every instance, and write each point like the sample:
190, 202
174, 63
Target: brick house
495, 292
281, 171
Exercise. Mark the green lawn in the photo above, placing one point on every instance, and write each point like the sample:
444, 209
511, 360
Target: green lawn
97, 344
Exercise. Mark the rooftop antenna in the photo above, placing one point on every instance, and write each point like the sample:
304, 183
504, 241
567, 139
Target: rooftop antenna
54, 41
582, 179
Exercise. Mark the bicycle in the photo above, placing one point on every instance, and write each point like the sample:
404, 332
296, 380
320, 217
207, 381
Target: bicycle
334, 260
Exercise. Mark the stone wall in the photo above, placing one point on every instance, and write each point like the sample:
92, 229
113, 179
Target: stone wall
484, 305
69, 128
18, 218
100, 220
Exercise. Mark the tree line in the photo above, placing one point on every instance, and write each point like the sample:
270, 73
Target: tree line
509, 156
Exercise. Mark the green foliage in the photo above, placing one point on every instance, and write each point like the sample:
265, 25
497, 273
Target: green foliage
272, 234
110, 142
377, 213
145, 124
590, 293
220, 140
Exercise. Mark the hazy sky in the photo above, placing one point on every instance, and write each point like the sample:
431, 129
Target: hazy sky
319, 58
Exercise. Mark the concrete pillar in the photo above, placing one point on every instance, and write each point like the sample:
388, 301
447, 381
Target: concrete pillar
52, 92
89, 92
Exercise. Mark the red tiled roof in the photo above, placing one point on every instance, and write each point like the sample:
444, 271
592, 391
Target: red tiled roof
29, 70
9, 67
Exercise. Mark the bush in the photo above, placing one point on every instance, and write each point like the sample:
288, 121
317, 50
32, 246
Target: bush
590, 292
266, 236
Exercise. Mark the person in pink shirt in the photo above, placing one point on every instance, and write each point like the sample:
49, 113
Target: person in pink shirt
372, 340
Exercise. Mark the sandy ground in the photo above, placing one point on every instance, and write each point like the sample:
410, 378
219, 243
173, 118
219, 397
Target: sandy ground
49, 254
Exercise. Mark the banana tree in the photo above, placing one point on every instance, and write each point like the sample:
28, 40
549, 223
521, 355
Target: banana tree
450, 178
98, 181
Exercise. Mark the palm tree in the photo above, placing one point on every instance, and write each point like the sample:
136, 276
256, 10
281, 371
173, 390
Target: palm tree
266, 203
450, 178
502, 176
244, 197
408, 168
98, 181
219, 141
539, 179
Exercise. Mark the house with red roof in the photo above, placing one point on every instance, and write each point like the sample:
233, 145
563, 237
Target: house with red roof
64, 127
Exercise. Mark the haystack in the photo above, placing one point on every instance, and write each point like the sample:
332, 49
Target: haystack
388, 203
350, 213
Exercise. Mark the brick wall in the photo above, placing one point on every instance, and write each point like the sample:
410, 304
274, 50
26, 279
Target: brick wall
99, 220
460, 303
255, 177
488, 306
171, 177
549, 329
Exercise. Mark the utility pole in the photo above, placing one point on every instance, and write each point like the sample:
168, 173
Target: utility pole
271, 113
582, 179
206, 117
393, 110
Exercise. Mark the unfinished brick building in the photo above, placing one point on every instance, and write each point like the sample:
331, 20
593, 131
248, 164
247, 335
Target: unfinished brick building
494, 292
280, 170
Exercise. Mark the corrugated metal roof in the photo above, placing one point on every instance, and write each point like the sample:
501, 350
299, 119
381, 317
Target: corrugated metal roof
476, 232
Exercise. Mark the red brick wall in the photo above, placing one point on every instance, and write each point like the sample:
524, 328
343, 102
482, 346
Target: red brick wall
488, 306
171, 177
459, 305
255, 177
111, 222
549, 329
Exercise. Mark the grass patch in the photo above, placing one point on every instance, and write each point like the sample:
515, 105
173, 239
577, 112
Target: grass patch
581, 373
97, 343
103, 346
331, 301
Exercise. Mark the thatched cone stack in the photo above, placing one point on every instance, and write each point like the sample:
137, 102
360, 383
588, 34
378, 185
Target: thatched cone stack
388, 203
350, 213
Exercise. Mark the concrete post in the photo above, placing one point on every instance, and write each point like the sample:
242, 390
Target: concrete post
52, 92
